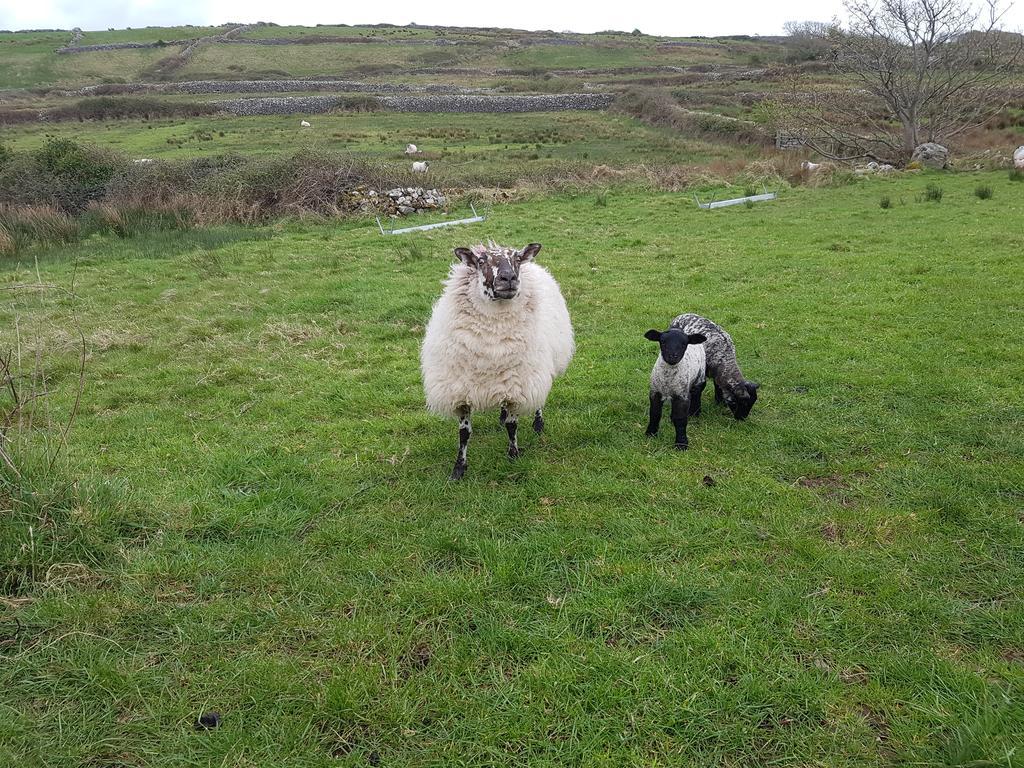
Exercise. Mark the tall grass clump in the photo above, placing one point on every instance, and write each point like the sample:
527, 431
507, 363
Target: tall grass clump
885, 202
55, 526
932, 193
25, 225
983, 192
1016, 174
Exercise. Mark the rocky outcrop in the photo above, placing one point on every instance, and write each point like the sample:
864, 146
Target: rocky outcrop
931, 155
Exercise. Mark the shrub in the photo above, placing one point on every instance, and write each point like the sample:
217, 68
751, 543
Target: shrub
885, 202
125, 107
80, 174
983, 192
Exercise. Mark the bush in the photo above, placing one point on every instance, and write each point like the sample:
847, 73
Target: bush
125, 107
885, 202
983, 192
80, 174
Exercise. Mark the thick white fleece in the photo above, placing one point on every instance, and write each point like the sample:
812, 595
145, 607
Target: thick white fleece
487, 354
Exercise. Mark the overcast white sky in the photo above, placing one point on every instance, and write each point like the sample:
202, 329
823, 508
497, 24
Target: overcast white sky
689, 17
666, 17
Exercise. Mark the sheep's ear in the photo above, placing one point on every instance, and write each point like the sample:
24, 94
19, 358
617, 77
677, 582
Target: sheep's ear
696, 338
753, 386
529, 252
653, 335
466, 256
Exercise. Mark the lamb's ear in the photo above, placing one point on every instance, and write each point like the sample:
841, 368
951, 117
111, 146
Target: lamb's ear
696, 338
466, 256
753, 386
529, 252
653, 335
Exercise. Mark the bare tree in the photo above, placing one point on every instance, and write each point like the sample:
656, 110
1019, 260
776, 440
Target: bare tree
920, 70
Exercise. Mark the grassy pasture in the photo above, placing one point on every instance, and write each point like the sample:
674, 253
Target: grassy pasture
262, 524
458, 145
28, 59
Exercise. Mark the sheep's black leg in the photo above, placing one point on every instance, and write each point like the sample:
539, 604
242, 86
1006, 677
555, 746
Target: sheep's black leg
680, 408
696, 391
511, 424
503, 416
718, 393
538, 421
656, 405
465, 430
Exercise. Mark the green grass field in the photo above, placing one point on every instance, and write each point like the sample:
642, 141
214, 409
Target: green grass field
28, 59
479, 146
258, 520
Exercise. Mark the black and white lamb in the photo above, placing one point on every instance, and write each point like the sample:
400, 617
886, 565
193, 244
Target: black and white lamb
738, 393
678, 376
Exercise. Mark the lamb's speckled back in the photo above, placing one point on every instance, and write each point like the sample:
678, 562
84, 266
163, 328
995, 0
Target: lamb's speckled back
719, 349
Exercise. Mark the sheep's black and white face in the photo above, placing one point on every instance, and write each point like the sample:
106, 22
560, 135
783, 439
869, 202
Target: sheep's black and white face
741, 399
673, 343
497, 267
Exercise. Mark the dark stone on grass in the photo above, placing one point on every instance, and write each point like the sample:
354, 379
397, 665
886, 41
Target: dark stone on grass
208, 721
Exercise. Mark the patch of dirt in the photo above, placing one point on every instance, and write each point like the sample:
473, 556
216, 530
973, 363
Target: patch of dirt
1013, 655
877, 723
854, 675
830, 532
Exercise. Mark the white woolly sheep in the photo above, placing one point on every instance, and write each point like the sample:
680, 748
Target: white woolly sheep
678, 376
420, 166
807, 165
1018, 157
497, 338
410, 149
304, 124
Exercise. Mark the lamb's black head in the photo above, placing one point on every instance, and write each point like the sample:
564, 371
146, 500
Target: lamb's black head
673, 343
741, 399
497, 267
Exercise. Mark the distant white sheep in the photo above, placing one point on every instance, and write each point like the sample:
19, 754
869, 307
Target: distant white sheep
420, 166
410, 149
807, 165
1018, 157
304, 124
143, 161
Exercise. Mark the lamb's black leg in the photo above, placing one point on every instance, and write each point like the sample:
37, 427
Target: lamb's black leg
538, 421
503, 416
696, 391
656, 405
465, 430
511, 425
718, 393
680, 408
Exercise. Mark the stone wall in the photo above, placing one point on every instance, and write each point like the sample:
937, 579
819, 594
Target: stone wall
290, 105
274, 86
545, 103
